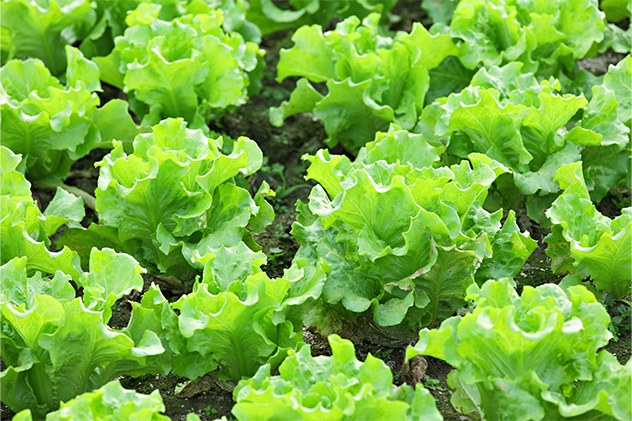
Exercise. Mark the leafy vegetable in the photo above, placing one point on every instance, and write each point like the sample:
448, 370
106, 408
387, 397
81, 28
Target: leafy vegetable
528, 126
371, 80
532, 357
173, 197
338, 387
616, 81
25, 231
53, 125
235, 320
235, 328
46, 122
56, 346
111, 15
272, 17
403, 243
595, 244
44, 29
545, 36
615, 37
111, 401
187, 67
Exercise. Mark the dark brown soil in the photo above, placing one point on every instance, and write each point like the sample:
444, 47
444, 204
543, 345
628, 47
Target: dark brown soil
208, 404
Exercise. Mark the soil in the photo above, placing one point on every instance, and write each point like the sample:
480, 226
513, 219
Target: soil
303, 134
209, 404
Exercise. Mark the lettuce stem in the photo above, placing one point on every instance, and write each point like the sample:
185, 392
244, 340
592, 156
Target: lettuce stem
42, 387
50, 183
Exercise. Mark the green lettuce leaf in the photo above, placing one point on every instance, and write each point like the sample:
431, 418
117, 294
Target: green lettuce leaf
399, 146
337, 387
234, 328
43, 29
234, 321
616, 80
54, 347
371, 80
271, 17
183, 67
531, 128
162, 222
402, 244
531, 357
111, 401
25, 230
544, 36
49, 124
110, 277
597, 244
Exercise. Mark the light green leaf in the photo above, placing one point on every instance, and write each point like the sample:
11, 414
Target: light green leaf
111, 276
336, 387
609, 262
493, 129
115, 123
81, 70
114, 402
311, 56
303, 99
400, 146
351, 117
42, 30
542, 180
617, 80
18, 289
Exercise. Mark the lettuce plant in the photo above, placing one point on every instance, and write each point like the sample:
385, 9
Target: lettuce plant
111, 402
53, 125
187, 67
43, 29
532, 129
402, 244
269, 17
337, 388
25, 230
174, 196
111, 16
614, 37
531, 357
56, 346
235, 320
545, 36
371, 80
586, 243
